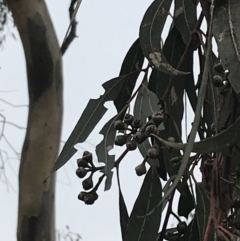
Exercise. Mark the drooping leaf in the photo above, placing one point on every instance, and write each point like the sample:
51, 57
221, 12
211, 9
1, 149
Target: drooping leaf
102, 149
123, 213
218, 143
132, 62
186, 204
185, 18
92, 114
141, 227
202, 209
150, 36
226, 30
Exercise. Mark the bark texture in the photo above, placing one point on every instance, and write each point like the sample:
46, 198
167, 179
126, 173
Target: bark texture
41, 145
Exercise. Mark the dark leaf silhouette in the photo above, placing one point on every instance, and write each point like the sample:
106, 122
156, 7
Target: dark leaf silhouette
141, 227
92, 114
132, 62
150, 36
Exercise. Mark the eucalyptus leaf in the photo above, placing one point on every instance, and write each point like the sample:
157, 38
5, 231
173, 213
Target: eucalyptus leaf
150, 36
132, 63
92, 114
185, 18
226, 30
202, 209
141, 227
185, 204
102, 149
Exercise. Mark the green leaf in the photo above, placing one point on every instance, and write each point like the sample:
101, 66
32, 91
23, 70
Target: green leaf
150, 36
92, 114
145, 105
226, 30
132, 62
173, 49
141, 227
185, 18
123, 215
102, 149
202, 209
186, 204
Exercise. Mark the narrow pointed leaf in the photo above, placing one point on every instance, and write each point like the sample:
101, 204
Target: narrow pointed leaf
92, 114
123, 215
141, 227
132, 62
226, 30
102, 149
150, 36
202, 209
185, 18
185, 205
173, 49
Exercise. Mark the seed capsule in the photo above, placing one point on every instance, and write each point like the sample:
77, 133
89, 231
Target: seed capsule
182, 227
120, 140
131, 145
217, 81
153, 152
81, 172
87, 156
119, 125
151, 129
136, 124
128, 119
87, 183
157, 118
140, 137
82, 163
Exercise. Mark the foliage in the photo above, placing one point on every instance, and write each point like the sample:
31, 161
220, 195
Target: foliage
155, 126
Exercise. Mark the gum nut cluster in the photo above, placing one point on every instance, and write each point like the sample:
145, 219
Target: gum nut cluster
85, 165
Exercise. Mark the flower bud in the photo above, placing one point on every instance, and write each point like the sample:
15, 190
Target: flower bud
119, 125
128, 119
81, 172
87, 183
141, 169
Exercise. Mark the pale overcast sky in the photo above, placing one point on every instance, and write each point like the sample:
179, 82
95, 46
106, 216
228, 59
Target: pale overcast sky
106, 30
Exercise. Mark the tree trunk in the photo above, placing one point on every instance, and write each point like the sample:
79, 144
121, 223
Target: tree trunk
44, 70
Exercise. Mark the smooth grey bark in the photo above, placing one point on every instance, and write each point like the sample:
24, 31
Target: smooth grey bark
44, 70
